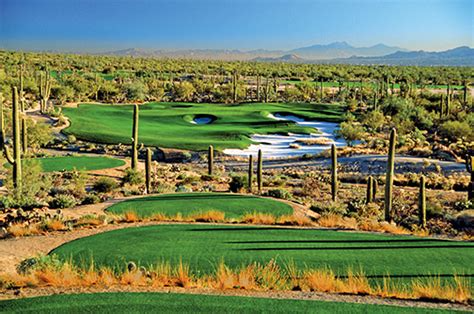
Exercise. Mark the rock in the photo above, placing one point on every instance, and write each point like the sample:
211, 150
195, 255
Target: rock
465, 220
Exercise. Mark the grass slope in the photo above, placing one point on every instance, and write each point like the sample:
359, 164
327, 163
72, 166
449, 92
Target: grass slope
204, 246
168, 124
68, 163
233, 205
188, 303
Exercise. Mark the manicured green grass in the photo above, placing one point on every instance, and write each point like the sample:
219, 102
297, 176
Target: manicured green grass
169, 124
148, 302
68, 163
233, 205
204, 246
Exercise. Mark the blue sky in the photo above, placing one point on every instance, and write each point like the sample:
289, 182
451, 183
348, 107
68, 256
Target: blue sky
100, 25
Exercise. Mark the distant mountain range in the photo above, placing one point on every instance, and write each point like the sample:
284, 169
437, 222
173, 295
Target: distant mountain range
337, 52
460, 56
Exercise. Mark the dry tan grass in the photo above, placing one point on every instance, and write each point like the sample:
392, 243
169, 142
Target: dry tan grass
20, 230
315, 141
320, 280
130, 217
254, 276
293, 220
337, 221
91, 221
54, 224
209, 216
258, 218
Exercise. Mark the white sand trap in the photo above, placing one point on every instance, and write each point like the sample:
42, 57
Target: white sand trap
280, 146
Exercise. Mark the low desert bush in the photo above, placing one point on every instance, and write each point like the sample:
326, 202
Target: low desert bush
105, 185
279, 193
133, 177
61, 201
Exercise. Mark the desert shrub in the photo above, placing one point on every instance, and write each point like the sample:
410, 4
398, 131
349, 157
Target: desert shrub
237, 183
129, 190
351, 132
133, 177
71, 139
105, 185
90, 199
38, 263
329, 208
163, 187
36, 186
183, 189
63, 201
279, 193
455, 130
206, 177
434, 210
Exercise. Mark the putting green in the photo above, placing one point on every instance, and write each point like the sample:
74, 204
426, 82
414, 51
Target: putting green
170, 124
149, 302
68, 163
233, 205
204, 246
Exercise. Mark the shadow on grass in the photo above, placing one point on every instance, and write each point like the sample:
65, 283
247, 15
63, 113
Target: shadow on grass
338, 241
191, 196
352, 248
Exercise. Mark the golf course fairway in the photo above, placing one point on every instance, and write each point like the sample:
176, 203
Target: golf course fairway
204, 246
232, 205
170, 125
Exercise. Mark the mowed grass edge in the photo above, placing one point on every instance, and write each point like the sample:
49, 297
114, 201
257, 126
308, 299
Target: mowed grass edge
189, 303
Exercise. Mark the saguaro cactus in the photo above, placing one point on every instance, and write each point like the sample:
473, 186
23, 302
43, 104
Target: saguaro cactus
258, 87
234, 86
448, 99
389, 176
24, 136
14, 160
210, 160
267, 89
375, 186
465, 89
148, 171
422, 203
370, 190
333, 172
135, 137
259, 171
44, 89
22, 94
470, 168
250, 174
